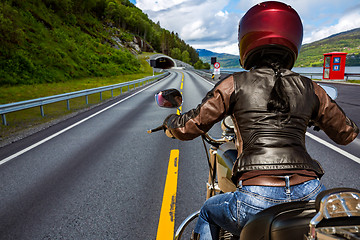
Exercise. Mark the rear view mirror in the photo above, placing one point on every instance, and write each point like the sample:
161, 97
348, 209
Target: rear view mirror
330, 90
169, 98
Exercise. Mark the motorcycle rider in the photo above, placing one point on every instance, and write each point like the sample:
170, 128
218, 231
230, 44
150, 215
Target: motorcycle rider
271, 107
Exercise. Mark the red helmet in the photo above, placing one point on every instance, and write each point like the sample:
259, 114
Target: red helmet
270, 28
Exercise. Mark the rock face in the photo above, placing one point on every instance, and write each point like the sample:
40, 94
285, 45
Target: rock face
140, 45
118, 43
136, 46
120, 40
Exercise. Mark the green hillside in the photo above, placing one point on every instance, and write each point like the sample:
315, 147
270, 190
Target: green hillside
44, 41
225, 60
228, 61
311, 55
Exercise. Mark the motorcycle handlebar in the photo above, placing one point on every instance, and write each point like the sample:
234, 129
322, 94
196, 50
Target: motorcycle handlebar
221, 140
162, 127
217, 142
206, 136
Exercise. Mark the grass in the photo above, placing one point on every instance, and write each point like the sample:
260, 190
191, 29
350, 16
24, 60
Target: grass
348, 81
353, 81
26, 92
26, 119
39, 44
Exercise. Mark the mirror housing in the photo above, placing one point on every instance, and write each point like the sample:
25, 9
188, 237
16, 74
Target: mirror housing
169, 98
330, 90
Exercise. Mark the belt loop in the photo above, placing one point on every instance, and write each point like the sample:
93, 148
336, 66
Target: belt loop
240, 184
287, 183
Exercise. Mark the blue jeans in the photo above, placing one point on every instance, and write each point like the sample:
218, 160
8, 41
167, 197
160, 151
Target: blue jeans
231, 211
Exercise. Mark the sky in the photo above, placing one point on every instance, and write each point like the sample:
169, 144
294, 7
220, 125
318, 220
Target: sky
213, 24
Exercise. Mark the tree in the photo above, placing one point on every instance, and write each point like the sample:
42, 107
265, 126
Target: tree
176, 53
199, 65
165, 42
84, 5
206, 66
185, 57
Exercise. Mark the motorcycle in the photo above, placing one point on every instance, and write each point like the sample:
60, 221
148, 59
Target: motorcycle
335, 214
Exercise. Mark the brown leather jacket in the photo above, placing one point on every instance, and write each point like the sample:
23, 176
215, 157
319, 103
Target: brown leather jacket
267, 141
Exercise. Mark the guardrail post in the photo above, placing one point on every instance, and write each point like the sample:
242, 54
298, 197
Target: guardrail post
112, 93
68, 104
3, 119
86, 99
42, 110
40, 102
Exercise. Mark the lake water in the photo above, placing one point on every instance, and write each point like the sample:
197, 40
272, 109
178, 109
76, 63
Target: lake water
308, 70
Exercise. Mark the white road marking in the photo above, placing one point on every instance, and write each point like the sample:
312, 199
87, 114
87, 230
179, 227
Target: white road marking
333, 147
329, 145
70, 127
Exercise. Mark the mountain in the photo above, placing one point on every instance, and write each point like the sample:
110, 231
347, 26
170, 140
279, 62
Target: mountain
311, 54
225, 60
207, 53
44, 41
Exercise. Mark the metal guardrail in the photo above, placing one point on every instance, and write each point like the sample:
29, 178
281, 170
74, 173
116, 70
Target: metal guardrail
347, 75
202, 73
40, 102
310, 75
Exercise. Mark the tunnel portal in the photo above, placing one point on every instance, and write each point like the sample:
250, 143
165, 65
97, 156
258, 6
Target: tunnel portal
164, 62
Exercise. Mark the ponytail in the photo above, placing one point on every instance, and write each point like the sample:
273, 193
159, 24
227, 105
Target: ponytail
279, 100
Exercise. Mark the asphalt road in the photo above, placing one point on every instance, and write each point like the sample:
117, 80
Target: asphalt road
99, 175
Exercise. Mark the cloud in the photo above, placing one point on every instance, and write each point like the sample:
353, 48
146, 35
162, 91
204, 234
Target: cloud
202, 24
231, 48
213, 24
349, 21
157, 5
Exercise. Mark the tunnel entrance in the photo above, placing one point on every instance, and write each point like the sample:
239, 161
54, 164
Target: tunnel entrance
164, 62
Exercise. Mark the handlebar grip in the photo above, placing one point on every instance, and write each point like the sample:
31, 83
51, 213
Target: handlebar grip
162, 127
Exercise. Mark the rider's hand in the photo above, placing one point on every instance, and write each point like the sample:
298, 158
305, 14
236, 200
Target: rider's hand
169, 134
167, 131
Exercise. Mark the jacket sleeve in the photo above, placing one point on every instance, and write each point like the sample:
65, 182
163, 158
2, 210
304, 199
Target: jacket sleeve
332, 119
214, 108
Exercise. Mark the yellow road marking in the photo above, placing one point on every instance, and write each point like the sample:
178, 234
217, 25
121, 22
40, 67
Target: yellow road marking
181, 87
166, 225
182, 81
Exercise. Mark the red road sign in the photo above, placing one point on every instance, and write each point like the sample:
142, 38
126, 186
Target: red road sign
216, 65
